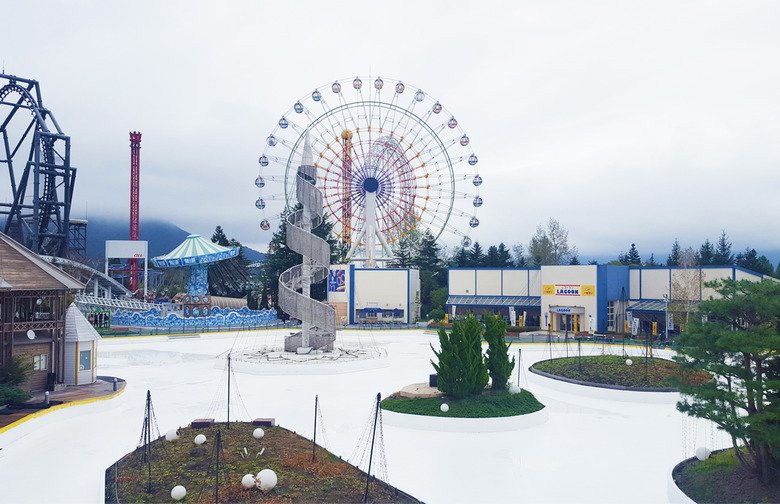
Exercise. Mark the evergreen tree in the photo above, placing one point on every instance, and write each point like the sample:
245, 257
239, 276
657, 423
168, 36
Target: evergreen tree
632, 258
403, 252
750, 260
738, 342
504, 257
676, 255
462, 258
477, 256
706, 254
652, 262
428, 256
491, 259
461, 368
574, 261
220, 238
723, 255
498, 364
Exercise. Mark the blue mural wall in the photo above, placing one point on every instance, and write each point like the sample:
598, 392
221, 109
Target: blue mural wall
218, 317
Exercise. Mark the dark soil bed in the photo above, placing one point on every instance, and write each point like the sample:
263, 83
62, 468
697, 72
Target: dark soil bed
181, 462
720, 479
613, 370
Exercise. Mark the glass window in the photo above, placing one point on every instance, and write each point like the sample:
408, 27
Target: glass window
85, 360
41, 362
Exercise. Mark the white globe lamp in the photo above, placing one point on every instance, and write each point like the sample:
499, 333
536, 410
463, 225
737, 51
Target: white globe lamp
266, 480
178, 492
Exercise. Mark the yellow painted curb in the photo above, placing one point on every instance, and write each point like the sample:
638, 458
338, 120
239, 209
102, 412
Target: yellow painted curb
60, 406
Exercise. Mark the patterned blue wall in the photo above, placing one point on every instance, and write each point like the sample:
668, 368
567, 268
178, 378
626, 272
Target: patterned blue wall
198, 284
218, 317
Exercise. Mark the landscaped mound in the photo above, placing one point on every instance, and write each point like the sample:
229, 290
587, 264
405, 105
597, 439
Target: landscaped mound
721, 478
613, 370
488, 404
181, 462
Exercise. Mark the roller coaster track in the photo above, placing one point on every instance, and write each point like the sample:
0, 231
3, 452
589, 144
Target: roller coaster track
318, 319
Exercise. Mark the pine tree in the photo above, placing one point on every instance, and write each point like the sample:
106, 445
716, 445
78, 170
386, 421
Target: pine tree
504, 257
675, 256
461, 368
462, 258
491, 259
477, 256
706, 254
498, 364
632, 258
738, 342
723, 255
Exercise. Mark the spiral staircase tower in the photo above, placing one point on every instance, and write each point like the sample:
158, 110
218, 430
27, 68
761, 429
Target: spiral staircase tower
317, 318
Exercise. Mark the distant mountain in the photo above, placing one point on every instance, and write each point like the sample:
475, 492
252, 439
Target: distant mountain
162, 236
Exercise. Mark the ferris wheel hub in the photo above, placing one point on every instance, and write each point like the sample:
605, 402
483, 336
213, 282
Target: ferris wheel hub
370, 184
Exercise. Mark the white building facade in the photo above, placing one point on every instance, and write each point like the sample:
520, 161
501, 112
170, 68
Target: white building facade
584, 298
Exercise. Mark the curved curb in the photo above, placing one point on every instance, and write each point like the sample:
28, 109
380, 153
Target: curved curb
598, 385
40, 413
676, 496
467, 425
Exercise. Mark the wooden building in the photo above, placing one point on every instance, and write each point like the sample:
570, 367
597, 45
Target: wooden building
33, 300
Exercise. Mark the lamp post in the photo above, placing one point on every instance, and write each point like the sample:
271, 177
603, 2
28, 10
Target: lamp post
666, 317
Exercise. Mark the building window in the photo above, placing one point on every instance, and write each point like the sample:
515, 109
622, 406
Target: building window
85, 360
611, 316
41, 362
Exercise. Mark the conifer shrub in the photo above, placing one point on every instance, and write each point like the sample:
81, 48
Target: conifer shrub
461, 369
498, 364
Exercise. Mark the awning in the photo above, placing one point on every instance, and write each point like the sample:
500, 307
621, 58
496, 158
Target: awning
516, 301
650, 305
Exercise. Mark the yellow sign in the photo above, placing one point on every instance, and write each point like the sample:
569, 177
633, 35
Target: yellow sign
588, 290
520, 321
655, 328
627, 329
548, 290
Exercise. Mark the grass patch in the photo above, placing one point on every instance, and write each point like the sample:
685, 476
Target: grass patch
721, 478
489, 404
613, 370
300, 479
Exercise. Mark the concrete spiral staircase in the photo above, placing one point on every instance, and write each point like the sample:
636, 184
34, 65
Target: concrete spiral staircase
318, 319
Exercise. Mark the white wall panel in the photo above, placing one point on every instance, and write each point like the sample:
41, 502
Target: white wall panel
489, 282
515, 282
462, 282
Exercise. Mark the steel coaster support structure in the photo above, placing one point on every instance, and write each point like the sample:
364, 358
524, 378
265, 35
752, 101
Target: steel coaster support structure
38, 216
318, 319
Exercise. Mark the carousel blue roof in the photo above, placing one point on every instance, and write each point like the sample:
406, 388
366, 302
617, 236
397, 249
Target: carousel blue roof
194, 251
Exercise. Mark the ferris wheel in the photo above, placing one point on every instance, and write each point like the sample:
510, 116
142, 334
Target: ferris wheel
391, 161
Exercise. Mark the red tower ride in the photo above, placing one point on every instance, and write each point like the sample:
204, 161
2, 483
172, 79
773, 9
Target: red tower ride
135, 166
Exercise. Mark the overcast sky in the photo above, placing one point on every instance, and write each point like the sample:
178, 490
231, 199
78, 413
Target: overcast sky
629, 122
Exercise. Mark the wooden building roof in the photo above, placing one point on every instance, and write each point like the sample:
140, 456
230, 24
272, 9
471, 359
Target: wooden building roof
21, 269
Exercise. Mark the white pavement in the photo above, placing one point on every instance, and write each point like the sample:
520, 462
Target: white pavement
597, 446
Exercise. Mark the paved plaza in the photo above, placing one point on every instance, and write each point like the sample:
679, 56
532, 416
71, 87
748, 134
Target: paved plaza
596, 445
